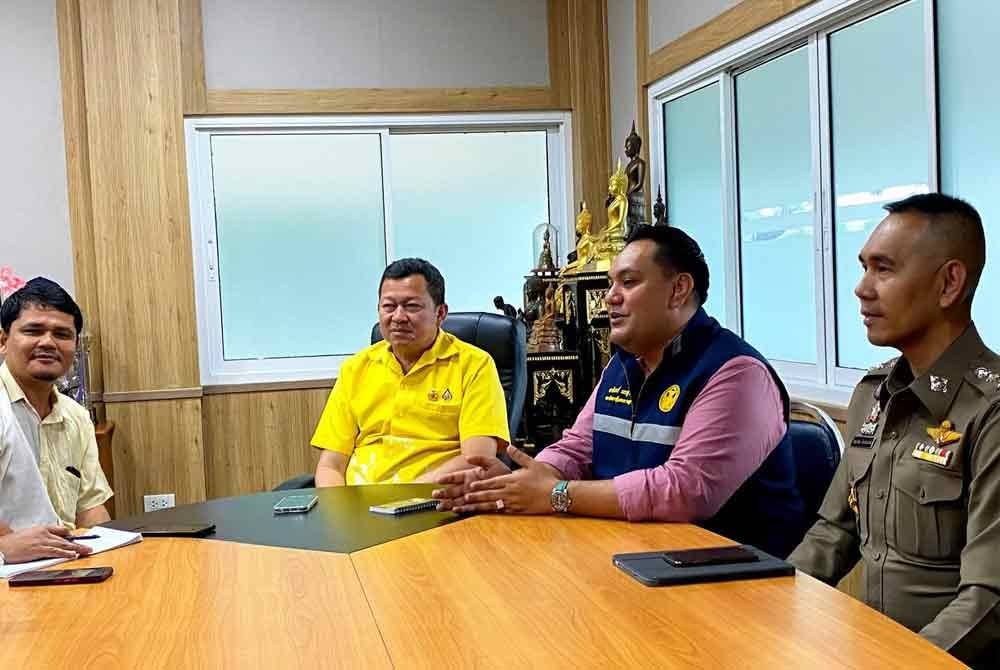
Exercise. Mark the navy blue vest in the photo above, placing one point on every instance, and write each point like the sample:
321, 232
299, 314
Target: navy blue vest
637, 421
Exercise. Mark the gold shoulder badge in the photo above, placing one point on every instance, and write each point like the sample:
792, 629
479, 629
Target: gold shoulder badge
943, 434
669, 398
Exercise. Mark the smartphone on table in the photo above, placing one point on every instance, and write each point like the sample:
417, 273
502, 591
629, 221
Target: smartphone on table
297, 504
405, 506
75, 576
692, 558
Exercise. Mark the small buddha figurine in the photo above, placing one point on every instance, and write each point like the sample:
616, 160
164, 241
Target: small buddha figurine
585, 246
636, 173
545, 261
659, 210
544, 332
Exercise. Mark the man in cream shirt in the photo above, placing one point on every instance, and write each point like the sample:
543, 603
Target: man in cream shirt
50, 477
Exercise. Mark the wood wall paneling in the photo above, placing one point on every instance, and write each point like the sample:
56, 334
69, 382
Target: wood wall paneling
642, 108
132, 65
157, 449
588, 49
192, 57
559, 56
731, 25
81, 215
254, 441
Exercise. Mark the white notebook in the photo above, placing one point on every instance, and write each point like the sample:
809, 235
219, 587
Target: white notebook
108, 539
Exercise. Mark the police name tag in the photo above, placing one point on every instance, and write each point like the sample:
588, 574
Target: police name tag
861, 441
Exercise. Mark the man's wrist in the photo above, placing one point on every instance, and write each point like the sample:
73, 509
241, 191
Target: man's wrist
560, 497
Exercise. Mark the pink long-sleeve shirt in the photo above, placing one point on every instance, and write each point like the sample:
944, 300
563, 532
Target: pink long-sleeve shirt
732, 426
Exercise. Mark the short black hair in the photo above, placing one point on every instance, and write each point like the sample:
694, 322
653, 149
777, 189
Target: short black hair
955, 227
39, 292
676, 251
407, 267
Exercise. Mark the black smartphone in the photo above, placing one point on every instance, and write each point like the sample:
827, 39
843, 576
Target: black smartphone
176, 529
689, 558
46, 577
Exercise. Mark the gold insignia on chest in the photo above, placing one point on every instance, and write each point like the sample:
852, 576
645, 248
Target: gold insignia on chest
432, 395
943, 434
446, 395
936, 455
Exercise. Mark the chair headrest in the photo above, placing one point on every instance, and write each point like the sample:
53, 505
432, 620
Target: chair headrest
494, 333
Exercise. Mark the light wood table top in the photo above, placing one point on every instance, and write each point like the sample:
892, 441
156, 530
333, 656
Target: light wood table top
529, 592
183, 603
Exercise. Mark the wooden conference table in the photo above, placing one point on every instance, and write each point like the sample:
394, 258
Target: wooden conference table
482, 592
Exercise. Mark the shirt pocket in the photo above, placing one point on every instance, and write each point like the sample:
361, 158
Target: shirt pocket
929, 512
435, 420
68, 487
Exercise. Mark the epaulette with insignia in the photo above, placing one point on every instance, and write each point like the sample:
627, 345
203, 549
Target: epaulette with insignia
882, 368
985, 377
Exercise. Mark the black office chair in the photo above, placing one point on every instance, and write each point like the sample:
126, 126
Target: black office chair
501, 337
818, 446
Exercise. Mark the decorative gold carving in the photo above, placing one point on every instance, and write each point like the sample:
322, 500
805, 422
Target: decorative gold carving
596, 308
561, 379
602, 345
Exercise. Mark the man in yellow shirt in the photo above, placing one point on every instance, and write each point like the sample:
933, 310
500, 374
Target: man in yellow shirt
417, 404
50, 477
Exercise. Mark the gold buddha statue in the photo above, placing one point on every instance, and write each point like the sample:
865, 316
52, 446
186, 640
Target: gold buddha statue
585, 243
612, 239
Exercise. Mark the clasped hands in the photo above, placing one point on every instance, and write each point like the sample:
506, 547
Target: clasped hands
490, 486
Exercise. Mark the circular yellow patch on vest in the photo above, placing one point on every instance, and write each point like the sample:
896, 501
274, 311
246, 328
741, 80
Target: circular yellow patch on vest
669, 398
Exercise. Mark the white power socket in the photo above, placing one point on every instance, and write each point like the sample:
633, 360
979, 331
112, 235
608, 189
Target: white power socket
156, 502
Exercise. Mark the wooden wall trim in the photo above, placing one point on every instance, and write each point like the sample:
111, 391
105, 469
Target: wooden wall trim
261, 387
192, 57
731, 25
153, 394
642, 108
590, 90
380, 100
559, 57
81, 211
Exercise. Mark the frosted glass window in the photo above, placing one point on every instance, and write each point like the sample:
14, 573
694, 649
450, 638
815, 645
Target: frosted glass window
969, 108
693, 161
776, 210
880, 134
301, 242
468, 203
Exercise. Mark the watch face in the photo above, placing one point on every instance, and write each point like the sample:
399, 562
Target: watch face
560, 499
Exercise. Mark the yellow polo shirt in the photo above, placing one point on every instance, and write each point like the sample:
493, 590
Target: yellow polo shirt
396, 427
66, 439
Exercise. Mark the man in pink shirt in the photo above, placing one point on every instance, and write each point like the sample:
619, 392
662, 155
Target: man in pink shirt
688, 422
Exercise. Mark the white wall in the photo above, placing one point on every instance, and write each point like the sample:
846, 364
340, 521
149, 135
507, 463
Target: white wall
375, 43
669, 19
34, 209
622, 66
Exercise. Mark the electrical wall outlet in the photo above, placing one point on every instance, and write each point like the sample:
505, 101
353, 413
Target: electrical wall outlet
156, 502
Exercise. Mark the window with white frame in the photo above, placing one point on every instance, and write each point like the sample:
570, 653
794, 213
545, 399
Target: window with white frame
294, 219
778, 152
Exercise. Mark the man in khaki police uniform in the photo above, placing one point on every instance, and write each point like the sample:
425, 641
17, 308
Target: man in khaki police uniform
917, 495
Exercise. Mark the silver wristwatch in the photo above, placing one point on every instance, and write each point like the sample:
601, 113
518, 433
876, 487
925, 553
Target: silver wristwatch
3, 560
559, 497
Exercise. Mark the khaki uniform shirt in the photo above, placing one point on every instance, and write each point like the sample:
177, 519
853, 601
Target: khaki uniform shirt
918, 501
66, 451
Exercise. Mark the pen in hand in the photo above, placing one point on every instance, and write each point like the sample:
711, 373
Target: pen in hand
74, 538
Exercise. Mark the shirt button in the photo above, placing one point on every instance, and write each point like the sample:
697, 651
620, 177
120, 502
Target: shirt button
878, 555
892, 435
880, 494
